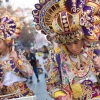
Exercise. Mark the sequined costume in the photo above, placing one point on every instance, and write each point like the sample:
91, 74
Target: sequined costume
71, 77
13, 76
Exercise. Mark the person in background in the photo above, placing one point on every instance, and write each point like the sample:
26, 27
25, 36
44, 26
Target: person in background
32, 59
45, 51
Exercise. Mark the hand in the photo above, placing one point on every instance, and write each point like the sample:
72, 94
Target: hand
97, 61
1, 86
13, 55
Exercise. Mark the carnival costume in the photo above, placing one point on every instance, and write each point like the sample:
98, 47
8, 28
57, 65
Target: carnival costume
71, 77
13, 76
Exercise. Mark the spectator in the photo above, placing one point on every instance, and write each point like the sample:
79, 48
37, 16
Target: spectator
32, 59
45, 51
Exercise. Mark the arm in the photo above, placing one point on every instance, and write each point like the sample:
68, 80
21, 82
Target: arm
96, 61
1, 86
54, 83
96, 56
22, 64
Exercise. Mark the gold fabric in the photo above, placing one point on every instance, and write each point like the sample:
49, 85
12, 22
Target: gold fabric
77, 90
20, 89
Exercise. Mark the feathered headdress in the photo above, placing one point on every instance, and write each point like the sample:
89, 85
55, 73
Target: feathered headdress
10, 27
69, 19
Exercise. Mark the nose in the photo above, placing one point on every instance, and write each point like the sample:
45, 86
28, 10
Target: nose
73, 47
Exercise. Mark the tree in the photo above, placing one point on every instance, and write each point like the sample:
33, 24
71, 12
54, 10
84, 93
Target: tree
27, 32
27, 35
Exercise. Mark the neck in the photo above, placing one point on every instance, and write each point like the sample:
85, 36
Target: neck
75, 56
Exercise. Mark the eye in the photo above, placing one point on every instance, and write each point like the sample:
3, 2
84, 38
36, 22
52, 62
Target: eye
68, 43
76, 42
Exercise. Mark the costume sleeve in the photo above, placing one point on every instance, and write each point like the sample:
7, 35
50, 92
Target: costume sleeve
54, 82
95, 69
24, 66
96, 52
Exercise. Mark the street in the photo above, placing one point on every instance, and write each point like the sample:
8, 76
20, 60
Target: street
40, 88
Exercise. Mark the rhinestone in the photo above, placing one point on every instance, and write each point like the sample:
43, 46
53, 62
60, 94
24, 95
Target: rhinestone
57, 0
42, 20
63, 16
66, 29
73, 22
65, 25
42, 15
47, 5
43, 10
64, 21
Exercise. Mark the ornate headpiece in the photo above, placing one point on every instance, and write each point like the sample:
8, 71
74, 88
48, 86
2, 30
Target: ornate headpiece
10, 27
69, 19
44, 14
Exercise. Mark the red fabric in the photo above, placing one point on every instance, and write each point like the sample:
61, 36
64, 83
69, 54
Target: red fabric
37, 60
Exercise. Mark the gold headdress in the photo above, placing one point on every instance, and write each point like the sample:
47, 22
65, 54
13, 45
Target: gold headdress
69, 19
10, 27
44, 14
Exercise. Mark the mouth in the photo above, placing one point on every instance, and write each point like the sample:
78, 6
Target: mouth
76, 52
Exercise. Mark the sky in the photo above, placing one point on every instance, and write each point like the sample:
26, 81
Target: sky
24, 3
